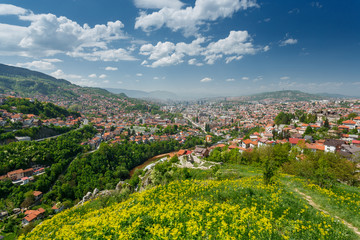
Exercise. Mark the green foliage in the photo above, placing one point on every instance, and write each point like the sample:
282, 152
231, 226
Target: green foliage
326, 124
104, 168
29, 200
284, 118
324, 168
249, 131
193, 141
352, 116
55, 152
44, 110
309, 130
240, 209
36, 132
207, 127
215, 155
171, 129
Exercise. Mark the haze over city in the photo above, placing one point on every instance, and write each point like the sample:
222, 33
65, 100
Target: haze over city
202, 48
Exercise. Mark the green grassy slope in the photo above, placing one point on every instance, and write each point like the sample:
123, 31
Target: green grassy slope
238, 208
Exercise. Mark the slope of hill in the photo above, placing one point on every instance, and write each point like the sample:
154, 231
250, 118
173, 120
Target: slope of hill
286, 95
291, 95
27, 83
333, 95
44, 110
193, 209
162, 95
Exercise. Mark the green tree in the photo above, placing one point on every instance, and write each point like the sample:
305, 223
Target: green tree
326, 124
269, 165
29, 199
207, 127
309, 130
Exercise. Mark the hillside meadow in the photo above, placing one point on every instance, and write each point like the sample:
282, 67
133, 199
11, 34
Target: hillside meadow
238, 207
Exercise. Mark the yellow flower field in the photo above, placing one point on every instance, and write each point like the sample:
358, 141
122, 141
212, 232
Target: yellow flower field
229, 209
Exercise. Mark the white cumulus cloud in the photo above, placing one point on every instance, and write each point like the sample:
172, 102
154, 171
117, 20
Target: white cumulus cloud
8, 9
102, 76
47, 35
111, 68
189, 19
206, 79
168, 53
39, 65
266, 48
60, 74
158, 4
233, 47
289, 41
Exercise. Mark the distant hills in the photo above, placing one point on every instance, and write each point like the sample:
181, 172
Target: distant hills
334, 95
28, 83
285, 95
290, 95
162, 95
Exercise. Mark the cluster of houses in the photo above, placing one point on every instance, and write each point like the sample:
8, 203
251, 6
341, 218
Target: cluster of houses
198, 152
224, 117
22, 177
117, 133
344, 148
31, 120
32, 215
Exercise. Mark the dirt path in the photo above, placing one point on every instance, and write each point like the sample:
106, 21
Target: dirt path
316, 206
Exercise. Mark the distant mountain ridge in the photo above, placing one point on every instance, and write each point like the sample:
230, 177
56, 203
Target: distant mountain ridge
285, 95
334, 95
162, 95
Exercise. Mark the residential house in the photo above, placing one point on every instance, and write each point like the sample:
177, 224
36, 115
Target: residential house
25, 138
357, 120
32, 215
315, 147
37, 195
58, 207
16, 174
349, 151
332, 145
181, 152
202, 152
28, 172
253, 144
349, 123
246, 143
25, 180
294, 141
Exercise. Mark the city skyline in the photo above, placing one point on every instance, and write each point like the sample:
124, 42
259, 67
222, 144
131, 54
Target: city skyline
204, 48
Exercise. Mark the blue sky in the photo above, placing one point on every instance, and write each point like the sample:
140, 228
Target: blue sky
193, 48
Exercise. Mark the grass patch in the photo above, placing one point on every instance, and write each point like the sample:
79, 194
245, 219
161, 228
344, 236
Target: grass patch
340, 200
242, 209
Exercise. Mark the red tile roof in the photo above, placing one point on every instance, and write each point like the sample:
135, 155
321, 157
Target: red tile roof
349, 122
37, 193
294, 140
